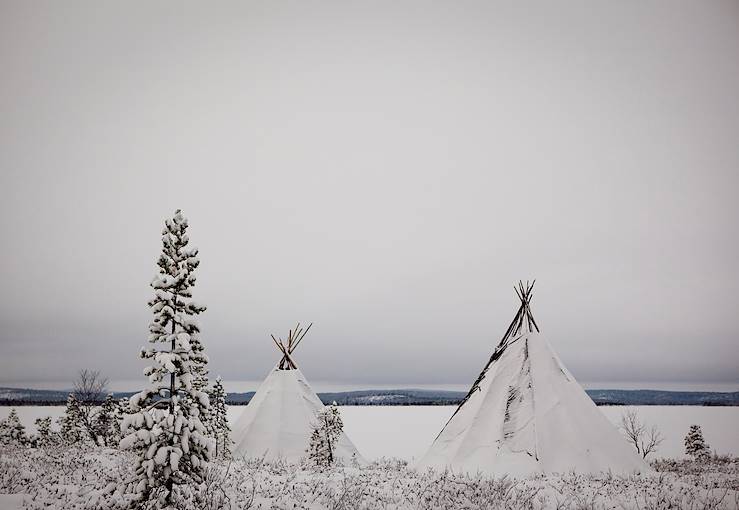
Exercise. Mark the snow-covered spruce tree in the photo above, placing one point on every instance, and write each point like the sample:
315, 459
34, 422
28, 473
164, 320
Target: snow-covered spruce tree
326, 432
12, 430
44, 435
695, 445
105, 424
5, 431
71, 424
164, 425
219, 422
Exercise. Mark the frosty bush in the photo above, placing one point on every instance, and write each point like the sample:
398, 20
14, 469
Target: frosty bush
705, 472
84, 477
165, 427
326, 432
44, 435
695, 445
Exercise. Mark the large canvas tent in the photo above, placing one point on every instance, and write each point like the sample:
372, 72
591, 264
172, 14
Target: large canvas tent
526, 414
277, 422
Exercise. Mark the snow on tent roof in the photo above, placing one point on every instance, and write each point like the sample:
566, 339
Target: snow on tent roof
278, 420
526, 413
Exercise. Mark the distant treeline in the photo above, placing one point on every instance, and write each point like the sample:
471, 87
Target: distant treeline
410, 397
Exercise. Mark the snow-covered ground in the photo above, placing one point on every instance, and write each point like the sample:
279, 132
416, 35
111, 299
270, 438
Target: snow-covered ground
87, 477
406, 431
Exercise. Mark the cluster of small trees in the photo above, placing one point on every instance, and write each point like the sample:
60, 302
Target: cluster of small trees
92, 415
95, 422
12, 432
88, 417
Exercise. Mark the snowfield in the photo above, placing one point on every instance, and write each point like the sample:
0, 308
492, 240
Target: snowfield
405, 432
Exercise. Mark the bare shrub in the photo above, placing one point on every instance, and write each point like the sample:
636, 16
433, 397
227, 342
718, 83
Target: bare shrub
645, 441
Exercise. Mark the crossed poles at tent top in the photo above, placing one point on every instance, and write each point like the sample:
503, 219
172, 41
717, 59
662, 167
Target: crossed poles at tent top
523, 316
524, 312
293, 339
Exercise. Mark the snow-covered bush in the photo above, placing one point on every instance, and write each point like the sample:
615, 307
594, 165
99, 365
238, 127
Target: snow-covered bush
710, 471
44, 435
84, 476
325, 435
165, 427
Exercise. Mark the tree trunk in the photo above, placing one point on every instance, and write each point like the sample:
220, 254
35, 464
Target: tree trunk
171, 376
169, 483
328, 442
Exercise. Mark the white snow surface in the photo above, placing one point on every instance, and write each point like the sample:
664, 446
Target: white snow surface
528, 416
278, 421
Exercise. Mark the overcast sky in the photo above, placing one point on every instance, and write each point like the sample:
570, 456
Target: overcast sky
386, 170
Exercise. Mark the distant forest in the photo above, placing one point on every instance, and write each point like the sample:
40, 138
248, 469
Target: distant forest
411, 397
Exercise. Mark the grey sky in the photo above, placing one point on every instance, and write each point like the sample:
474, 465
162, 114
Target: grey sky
386, 170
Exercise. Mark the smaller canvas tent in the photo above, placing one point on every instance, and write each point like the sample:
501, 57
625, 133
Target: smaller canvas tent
527, 414
277, 422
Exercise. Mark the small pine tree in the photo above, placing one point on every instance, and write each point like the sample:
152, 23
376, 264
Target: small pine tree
695, 445
105, 424
44, 435
71, 424
220, 428
326, 432
167, 433
12, 430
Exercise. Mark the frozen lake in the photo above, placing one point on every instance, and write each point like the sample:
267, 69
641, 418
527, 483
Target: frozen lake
406, 431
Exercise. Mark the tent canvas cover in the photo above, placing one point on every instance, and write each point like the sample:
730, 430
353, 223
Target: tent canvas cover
278, 421
527, 414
